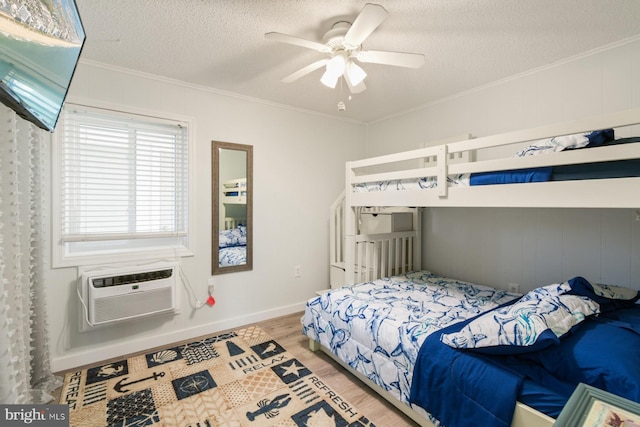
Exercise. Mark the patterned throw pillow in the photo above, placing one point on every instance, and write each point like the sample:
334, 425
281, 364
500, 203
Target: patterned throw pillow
233, 237
535, 321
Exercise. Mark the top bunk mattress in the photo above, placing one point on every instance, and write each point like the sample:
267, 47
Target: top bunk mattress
587, 171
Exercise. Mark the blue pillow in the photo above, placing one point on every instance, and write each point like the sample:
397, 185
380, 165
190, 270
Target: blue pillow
600, 137
609, 297
535, 321
600, 353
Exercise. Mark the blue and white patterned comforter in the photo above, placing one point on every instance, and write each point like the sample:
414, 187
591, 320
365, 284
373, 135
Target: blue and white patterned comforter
378, 327
424, 183
233, 255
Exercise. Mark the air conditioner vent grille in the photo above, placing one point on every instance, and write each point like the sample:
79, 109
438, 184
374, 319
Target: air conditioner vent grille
133, 305
126, 279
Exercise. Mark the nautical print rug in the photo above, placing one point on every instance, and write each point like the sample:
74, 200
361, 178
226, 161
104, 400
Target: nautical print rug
242, 378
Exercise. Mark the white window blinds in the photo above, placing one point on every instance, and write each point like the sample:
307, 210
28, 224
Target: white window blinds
123, 177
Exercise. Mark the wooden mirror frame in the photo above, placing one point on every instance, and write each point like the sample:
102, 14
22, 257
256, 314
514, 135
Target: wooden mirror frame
217, 207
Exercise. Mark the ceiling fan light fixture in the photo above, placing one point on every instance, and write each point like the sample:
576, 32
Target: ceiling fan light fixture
337, 64
355, 73
329, 79
335, 68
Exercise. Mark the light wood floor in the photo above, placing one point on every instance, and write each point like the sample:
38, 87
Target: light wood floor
287, 331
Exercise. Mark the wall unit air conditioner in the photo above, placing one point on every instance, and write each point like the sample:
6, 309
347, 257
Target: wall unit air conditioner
112, 295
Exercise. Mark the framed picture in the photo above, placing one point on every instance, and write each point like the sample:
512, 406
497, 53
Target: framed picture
591, 407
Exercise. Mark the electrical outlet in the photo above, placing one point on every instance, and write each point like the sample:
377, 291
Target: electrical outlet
297, 271
212, 285
513, 287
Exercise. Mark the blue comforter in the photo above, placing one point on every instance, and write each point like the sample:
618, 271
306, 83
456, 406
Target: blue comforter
485, 393
542, 174
603, 351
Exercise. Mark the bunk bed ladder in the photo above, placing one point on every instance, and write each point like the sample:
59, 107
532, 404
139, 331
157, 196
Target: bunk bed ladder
373, 255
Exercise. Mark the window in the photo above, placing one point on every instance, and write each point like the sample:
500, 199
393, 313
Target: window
122, 186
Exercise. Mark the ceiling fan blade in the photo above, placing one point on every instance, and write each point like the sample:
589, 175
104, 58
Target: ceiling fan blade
360, 87
285, 38
305, 70
399, 59
368, 20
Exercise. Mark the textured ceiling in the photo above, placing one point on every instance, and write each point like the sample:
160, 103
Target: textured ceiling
220, 44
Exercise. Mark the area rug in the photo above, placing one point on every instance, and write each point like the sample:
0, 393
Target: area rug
242, 378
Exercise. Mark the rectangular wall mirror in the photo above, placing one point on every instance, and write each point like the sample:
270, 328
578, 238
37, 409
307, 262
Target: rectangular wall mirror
232, 195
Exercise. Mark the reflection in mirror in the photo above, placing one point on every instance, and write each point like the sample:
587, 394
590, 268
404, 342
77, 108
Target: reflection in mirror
232, 194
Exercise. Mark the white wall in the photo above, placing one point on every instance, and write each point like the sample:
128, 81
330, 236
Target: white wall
293, 151
532, 247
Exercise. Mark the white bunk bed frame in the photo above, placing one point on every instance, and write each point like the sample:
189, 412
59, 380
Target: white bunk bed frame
595, 193
238, 186
360, 255
231, 222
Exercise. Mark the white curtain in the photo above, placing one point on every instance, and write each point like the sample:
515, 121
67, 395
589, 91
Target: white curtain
25, 375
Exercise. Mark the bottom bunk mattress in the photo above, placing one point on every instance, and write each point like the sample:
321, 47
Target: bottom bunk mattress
232, 246
492, 348
378, 327
234, 255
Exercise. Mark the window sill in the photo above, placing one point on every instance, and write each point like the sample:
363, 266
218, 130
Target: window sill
120, 257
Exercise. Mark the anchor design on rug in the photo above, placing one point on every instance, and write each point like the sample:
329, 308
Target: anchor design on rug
270, 408
120, 385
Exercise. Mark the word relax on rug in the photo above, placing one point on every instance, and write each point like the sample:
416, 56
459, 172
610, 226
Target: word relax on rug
242, 378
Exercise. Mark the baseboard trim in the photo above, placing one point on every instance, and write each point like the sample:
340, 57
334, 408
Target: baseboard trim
95, 355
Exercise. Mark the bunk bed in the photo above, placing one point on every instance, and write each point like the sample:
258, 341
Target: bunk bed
386, 289
234, 191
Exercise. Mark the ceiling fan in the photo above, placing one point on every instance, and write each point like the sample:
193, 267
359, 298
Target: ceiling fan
343, 45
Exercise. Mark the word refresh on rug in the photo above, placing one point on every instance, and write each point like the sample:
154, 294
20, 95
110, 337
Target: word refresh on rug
333, 396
